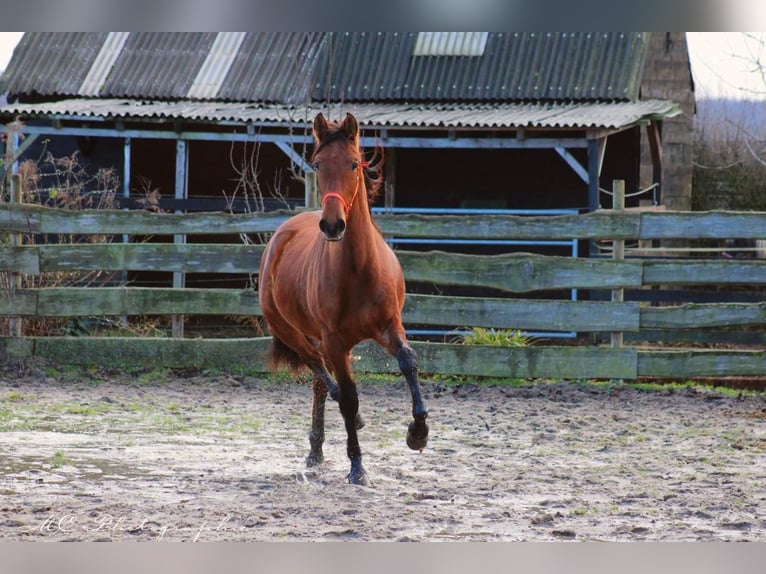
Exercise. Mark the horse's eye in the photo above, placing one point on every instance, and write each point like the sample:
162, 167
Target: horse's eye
354, 165
315, 166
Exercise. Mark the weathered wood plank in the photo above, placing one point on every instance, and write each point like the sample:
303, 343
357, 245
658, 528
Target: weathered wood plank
695, 272
22, 303
434, 358
509, 272
519, 272
20, 259
683, 363
512, 362
526, 314
120, 352
699, 337
533, 362
599, 225
419, 309
702, 225
15, 218
46, 220
703, 315
15, 350
189, 258
105, 301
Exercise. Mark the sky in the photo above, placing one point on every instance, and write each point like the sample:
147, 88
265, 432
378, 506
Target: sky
722, 62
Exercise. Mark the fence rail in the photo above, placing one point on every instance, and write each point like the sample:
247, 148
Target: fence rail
517, 290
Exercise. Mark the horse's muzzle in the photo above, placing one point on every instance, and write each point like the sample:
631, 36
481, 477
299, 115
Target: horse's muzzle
332, 231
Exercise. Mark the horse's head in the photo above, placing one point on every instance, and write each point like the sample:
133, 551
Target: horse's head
338, 165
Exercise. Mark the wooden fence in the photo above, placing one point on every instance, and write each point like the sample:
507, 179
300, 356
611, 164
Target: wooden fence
512, 280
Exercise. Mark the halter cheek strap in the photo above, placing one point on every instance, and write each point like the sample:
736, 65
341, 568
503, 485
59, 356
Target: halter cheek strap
347, 205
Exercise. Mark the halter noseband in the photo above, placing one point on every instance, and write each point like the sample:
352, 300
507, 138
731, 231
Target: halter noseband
347, 205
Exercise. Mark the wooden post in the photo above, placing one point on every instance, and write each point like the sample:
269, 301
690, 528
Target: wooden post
312, 200
390, 184
618, 251
14, 323
179, 277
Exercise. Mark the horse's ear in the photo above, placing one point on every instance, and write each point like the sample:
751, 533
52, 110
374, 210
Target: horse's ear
320, 127
350, 127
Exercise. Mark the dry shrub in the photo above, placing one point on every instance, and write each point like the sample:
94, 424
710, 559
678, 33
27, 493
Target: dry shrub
62, 183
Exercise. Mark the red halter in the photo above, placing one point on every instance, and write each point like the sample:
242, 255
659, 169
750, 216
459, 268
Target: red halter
347, 205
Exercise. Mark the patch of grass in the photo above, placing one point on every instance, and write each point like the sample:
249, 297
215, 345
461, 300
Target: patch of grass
495, 337
14, 397
60, 459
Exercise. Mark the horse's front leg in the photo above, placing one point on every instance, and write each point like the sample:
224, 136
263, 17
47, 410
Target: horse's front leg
348, 400
417, 430
316, 436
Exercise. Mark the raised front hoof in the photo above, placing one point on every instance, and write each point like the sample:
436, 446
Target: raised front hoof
358, 477
359, 422
417, 435
314, 459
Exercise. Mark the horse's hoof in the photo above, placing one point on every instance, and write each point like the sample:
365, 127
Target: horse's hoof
314, 459
359, 421
359, 478
417, 435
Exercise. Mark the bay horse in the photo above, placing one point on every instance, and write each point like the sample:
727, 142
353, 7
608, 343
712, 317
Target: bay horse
328, 281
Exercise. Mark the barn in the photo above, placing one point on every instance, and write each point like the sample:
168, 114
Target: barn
467, 120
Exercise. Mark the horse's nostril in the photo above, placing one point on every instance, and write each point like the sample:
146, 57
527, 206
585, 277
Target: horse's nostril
334, 231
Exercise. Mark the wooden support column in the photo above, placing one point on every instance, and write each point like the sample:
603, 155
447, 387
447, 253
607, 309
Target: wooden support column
14, 323
618, 253
654, 135
311, 194
596, 149
179, 277
389, 199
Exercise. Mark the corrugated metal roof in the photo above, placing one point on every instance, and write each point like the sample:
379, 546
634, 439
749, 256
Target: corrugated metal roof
158, 65
102, 65
52, 63
274, 67
514, 66
583, 115
290, 67
214, 70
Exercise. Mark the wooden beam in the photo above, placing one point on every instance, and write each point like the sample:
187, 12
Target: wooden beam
654, 135
571, 160
182, 181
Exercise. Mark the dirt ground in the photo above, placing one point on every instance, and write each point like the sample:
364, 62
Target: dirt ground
194, 456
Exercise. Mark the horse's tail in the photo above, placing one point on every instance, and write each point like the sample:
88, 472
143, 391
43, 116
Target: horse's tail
282, 355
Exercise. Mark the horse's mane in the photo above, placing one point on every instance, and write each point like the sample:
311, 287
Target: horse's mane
373, 174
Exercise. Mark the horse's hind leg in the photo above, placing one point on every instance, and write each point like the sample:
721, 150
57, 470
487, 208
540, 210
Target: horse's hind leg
322, 382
